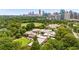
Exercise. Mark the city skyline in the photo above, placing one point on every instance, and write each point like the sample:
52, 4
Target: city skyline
26, 11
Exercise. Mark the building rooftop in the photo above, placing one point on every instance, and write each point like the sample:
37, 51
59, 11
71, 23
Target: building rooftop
40, 37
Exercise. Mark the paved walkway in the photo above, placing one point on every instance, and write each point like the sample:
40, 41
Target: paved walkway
75, 34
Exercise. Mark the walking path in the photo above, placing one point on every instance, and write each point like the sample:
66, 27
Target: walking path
75, 34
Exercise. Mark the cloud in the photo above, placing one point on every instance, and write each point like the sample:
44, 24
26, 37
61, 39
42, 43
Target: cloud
39, 4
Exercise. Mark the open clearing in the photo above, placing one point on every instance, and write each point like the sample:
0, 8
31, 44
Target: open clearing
23, 41
36, 24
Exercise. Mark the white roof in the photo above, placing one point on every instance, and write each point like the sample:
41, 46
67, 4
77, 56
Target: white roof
45, 30
36, 30
52, 33
45, 33
40, 36
41, 40
30, 44
30, 32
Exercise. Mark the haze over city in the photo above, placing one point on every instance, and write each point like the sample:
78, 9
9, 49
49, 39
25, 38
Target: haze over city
26, 11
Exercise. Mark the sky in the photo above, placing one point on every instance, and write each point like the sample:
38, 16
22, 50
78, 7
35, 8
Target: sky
39, 4
19, 7
26, 11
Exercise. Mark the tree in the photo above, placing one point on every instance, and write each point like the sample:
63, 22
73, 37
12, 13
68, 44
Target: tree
6, 43
22, 30
47, 46
57, 44
18, 35
16, 45
53, 44
60, 33
69, 40
30, 26
72, 48
35, 45
77, 44
21, 43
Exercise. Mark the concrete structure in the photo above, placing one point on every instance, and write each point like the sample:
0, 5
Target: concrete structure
78, 16
40, 12
52, 17
30, 44
41, 39
43, 13
75, 15
62, 14
41, 34
66, 15
57, 16
71, 14
30, 34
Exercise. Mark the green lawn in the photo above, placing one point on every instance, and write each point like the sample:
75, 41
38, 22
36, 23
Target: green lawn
22, 41
24, 24
36, 24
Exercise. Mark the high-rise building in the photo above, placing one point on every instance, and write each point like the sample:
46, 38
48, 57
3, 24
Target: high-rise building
66, 15
75, 14
47, 14
57, 16
51, 17
71, 14
62, 14
40, 12
43, 13
78, 16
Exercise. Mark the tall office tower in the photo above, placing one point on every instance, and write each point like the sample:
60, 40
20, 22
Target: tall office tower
75, 15
71, 14
39, 12
78, 16
43, 13
57, 16
32, 12
62, 14
66, 15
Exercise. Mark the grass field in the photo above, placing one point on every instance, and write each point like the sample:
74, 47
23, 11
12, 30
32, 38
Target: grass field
36, 24
22, 41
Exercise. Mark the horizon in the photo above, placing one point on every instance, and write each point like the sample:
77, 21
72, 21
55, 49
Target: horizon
26, 11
